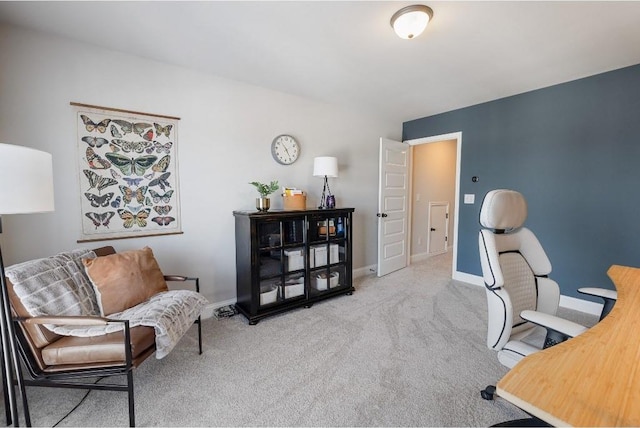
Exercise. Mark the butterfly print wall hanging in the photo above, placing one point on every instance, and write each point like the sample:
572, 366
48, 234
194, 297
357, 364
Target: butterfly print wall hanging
129, 182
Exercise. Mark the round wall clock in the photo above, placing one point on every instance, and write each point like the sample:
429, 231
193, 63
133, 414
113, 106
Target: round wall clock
285, 149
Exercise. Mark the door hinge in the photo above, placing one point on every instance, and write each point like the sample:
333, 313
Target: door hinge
446, 238
446, 215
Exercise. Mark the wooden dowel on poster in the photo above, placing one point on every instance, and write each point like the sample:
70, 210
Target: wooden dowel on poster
128, 237
122, 110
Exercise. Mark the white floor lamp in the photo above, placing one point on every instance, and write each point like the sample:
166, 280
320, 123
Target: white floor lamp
26, 186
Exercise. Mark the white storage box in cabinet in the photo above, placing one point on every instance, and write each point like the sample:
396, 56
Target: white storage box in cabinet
312, 257
320, 255
268, 294
333, 253
293, 288
294, 259
320, 281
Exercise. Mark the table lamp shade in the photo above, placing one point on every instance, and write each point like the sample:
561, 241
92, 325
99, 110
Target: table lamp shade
26, 180
325, 166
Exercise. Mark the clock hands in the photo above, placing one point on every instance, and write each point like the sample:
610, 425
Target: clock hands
286, 150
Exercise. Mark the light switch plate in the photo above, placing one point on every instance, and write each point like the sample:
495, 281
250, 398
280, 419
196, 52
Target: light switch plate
469, 198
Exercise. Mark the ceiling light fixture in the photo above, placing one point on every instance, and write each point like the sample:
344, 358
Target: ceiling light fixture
410, 21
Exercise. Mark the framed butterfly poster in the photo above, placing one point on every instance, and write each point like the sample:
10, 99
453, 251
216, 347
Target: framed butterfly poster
128, 172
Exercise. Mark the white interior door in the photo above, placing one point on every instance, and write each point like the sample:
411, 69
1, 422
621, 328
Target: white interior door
393, 212
438, 228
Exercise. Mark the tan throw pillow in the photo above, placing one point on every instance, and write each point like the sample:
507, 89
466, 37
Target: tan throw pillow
123, 280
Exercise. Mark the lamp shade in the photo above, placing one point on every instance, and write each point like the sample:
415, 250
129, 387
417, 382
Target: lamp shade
26, 180
411, 21
325, 165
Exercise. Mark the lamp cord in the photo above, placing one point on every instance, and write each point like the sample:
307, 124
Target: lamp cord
77, 405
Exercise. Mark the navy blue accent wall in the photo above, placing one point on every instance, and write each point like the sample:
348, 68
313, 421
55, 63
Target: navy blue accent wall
573, 150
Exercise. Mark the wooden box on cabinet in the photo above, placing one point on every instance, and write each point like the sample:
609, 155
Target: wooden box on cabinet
280, 250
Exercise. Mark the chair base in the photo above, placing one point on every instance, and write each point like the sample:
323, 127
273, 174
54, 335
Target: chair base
489, 392
526, 422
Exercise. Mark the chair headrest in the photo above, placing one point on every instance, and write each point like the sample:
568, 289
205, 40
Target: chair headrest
503, 209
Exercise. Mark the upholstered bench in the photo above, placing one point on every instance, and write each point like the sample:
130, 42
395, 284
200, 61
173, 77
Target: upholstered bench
116, 311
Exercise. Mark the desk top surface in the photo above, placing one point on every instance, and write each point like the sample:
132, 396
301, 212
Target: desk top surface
592, 379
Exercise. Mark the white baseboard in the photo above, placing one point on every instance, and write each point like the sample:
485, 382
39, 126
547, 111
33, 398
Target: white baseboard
419, 257
573, 303
468, 278
364, 271
581, 305
208, 310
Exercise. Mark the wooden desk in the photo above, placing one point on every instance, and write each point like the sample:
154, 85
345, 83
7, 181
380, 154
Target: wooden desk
592, 379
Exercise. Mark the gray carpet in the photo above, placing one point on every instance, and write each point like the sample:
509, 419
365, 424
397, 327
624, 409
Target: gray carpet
404, 350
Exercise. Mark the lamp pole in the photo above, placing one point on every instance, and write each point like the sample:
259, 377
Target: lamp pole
10, 355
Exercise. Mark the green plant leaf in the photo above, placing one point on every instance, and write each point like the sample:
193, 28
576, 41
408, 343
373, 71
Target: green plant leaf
266, 189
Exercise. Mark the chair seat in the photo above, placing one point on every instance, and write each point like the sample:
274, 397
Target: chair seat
514, 351
98, 349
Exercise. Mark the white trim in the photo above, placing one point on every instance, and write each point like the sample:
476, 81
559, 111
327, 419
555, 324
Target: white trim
581, 305
208, 310
419, 257
458, 137
469, 278
573, 303
364, 271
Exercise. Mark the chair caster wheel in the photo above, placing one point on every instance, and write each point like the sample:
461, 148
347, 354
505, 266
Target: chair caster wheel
488, 393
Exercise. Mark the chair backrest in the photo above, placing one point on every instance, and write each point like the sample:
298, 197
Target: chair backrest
512, 259
35, 337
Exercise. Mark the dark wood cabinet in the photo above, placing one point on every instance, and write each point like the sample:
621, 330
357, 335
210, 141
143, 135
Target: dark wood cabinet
289, 259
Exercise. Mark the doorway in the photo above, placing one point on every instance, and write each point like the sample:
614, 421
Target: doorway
405, 204
430, 193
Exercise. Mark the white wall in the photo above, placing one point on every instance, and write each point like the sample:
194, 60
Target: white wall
225, 136
434, 180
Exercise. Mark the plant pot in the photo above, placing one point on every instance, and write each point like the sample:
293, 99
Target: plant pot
263, 204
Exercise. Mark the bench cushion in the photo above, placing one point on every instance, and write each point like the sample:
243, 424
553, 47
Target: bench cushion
97, 349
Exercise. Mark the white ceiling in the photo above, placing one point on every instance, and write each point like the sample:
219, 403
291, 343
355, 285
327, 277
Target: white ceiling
346, 52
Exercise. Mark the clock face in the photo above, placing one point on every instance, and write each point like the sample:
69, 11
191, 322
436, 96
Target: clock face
285, 149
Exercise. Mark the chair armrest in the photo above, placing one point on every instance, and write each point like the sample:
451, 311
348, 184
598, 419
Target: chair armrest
181, 278
609, 296
604, 293
558, 329
66, 320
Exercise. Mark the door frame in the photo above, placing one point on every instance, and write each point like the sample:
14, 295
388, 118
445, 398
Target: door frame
435, 139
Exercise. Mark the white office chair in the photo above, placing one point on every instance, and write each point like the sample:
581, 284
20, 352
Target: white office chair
520, 295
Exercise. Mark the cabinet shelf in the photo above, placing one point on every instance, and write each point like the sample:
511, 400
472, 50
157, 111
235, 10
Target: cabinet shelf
283, 262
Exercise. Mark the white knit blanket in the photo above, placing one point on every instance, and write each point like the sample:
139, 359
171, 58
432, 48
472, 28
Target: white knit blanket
58, 285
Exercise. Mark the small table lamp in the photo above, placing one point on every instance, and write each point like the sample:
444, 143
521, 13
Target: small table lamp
26, 186
326, 166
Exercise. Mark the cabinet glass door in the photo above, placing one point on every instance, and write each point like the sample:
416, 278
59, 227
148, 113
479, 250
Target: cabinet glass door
282, 260
327, 253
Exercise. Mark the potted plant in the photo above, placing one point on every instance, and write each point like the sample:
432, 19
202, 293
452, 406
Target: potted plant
263, 203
